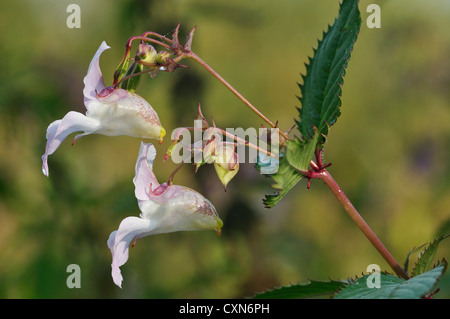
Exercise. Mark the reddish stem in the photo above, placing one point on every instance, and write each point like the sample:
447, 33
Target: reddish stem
239, 140
196, 58
146, 39
151, 33
359, 221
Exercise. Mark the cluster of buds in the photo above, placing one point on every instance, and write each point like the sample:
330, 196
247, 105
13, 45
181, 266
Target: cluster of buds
148, 60
211, 149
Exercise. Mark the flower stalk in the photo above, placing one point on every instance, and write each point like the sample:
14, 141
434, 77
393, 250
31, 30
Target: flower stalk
197, 59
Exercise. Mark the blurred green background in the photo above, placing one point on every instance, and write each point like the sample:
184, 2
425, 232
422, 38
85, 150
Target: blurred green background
389, 148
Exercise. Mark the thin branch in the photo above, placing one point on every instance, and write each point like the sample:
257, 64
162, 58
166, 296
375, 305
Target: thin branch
359, 221
196, 58
145, 39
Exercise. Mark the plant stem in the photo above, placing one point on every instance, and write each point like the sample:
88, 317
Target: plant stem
362, 225
116, 84
195, 57
170, 180
146, 39
151, 33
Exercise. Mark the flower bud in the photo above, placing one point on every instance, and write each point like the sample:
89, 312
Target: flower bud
162, 57
146, 53
226, 162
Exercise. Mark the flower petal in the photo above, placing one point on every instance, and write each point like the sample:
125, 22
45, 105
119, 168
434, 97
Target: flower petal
125, 113
119, 242
144, 175
60, 129
164, 209
180, 208
93, 80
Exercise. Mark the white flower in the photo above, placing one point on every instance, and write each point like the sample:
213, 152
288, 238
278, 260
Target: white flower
164, 209
110, 111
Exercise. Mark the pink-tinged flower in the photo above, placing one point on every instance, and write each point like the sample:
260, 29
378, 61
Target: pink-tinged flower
164, 209
226, 162
110, 111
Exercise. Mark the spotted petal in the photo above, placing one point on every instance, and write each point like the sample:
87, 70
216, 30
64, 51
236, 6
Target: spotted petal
110, 111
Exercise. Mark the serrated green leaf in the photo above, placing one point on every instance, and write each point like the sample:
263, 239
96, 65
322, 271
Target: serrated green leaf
297, 155
425, 259
321, 88
285, 178
358, 289
300, 153
307, 290
421, 285
392, 287
412, 251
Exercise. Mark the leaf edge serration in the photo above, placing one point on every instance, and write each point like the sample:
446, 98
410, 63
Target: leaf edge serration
307, 129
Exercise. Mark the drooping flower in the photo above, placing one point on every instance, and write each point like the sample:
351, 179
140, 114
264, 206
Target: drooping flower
110, 111
164, 208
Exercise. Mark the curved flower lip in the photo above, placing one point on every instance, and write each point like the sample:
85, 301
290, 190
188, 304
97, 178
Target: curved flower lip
164, 209
110, 111
93, 81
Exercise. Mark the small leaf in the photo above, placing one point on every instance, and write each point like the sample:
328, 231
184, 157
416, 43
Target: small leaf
132, 83
300, 153
122, 68
307, 290
297, 155
322, 86
285, 178
392, 287
426, 257
412, 251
